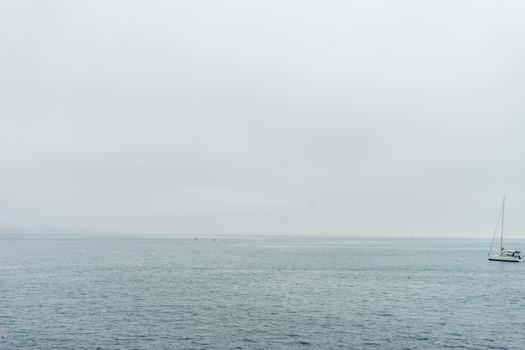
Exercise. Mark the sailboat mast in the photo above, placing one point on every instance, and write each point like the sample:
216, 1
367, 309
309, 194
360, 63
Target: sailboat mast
502, 222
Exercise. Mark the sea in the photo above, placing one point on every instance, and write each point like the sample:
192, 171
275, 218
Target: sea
157, 292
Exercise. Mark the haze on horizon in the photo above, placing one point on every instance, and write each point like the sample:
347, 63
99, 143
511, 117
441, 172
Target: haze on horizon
269, 117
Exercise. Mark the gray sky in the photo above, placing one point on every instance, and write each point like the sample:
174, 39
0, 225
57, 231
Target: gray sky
262, 117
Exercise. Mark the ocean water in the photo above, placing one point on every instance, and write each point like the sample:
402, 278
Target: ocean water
257, 293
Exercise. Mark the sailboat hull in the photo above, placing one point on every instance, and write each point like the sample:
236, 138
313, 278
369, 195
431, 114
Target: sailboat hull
505, 258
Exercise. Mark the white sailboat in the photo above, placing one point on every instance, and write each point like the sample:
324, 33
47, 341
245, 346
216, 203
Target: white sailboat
504, 254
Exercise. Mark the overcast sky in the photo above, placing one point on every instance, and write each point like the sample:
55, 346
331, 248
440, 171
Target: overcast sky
262, 117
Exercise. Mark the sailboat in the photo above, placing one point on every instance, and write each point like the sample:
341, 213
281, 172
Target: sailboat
504, 254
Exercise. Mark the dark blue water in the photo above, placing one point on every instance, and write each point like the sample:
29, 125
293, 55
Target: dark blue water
257, 293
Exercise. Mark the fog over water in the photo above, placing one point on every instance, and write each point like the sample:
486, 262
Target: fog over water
269, 117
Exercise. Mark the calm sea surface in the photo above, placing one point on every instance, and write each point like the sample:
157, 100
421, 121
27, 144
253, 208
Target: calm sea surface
257, 293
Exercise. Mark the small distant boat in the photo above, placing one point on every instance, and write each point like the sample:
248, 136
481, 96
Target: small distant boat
504, 254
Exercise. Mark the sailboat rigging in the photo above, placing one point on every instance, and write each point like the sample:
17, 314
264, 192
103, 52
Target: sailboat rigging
504, 254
